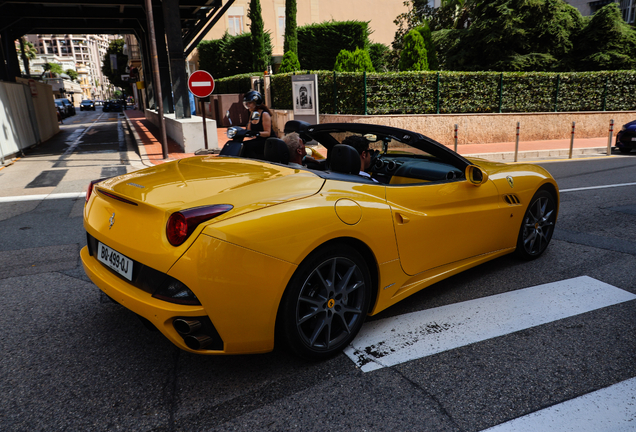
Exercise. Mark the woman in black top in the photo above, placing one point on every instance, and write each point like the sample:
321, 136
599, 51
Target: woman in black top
260, 121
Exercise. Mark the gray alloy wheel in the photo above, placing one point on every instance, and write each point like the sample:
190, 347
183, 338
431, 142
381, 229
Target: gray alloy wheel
537, 226
326, 302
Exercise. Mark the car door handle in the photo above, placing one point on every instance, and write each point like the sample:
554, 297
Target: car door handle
401, 219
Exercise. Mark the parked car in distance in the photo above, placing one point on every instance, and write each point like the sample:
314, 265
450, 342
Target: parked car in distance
87, 104
68, 104
62, 108
99, 102
626, 137
112, 105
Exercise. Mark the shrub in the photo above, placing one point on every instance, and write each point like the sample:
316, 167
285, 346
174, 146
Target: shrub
290, 63
357, 61
414, 56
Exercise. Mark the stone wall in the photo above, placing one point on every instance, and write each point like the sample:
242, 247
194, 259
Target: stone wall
489, 128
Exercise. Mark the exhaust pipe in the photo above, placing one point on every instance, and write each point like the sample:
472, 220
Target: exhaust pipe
198, 342
186, 326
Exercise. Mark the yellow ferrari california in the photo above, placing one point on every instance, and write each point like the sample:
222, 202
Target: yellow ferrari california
232, 255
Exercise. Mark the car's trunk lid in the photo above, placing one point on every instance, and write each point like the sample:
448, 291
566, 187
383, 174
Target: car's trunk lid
132, 220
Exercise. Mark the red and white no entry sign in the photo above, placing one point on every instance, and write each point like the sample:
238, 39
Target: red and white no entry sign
201, 83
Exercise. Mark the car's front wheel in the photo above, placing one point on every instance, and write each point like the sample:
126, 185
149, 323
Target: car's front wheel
325, 303
537, 226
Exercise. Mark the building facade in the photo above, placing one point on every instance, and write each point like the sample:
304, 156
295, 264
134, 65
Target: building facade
77, 52
379, 13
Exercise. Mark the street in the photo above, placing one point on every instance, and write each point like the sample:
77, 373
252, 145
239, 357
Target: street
73, 360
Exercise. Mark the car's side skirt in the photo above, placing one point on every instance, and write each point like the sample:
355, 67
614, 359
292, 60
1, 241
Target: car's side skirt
397, 290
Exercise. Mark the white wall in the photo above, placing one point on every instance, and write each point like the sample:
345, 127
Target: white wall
25, 120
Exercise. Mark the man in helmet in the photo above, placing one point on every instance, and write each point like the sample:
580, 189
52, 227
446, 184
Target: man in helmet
260, 122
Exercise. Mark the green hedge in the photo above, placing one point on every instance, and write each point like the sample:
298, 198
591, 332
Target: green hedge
319, 44
459, 92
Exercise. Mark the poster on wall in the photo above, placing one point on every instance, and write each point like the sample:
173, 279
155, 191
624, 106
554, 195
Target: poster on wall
305, 97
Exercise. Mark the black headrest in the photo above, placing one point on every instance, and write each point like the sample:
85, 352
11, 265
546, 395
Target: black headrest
297, 126
276, 151
344, 159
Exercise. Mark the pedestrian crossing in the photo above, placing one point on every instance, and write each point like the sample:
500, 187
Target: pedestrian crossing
392, 341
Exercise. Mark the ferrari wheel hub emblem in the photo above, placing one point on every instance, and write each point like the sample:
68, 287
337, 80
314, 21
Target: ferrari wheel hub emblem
331, 303
111, 221
511, 182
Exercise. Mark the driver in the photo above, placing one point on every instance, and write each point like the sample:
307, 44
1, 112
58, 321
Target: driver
361, 144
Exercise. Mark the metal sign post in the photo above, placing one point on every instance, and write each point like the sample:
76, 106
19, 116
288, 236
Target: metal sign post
201, 84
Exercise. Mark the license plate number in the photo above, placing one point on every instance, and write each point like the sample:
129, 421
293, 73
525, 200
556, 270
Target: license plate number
114, 260
633, 138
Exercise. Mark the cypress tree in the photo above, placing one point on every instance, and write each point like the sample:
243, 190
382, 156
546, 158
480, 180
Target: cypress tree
291, 31
258, 38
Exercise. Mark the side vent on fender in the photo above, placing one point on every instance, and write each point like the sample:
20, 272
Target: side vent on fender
512, 199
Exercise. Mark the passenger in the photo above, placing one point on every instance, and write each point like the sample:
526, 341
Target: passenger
361, 144
296, 147
255, 148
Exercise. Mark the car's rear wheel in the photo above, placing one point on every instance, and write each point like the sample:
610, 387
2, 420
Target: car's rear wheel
325, 303
537, 226
624, 150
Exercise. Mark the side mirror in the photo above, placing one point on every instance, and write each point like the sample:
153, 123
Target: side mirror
475, 175
229, 119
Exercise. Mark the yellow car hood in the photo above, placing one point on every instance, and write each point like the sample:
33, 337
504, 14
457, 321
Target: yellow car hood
137, 228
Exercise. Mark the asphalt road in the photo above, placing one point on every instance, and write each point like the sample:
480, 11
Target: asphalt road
72, 360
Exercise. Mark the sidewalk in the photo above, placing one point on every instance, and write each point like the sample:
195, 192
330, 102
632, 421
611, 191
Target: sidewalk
146, 135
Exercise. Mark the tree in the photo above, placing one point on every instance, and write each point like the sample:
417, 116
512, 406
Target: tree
72, 74
514, 35
258, 39
431, 53
606, 43
380, 57
356, 61
53, 69
29, 49
290, 63
114, 74
413, 56
291, 28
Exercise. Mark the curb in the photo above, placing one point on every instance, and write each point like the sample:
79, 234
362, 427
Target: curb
539, 154
143, 156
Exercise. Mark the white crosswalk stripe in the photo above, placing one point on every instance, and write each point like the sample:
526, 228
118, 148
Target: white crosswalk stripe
612, 409
411, 336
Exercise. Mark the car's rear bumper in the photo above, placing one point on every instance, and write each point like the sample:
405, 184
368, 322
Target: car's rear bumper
240, 291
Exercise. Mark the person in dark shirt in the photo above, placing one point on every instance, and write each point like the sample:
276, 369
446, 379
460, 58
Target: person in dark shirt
260, 122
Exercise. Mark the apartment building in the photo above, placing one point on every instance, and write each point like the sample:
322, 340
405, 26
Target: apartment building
84, 52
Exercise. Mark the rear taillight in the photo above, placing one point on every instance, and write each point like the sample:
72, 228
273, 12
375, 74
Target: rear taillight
181, 224
91, 186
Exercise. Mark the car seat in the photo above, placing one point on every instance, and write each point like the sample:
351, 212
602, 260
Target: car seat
276, 151
344, 159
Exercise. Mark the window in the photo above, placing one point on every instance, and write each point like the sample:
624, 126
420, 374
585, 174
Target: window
235, 25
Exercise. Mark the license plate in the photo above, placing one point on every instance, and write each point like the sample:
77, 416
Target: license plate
114, 260
633, 138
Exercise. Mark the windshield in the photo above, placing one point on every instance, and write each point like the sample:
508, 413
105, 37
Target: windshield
384, 144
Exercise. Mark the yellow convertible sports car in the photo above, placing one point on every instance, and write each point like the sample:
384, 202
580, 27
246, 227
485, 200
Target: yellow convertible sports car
228, 255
